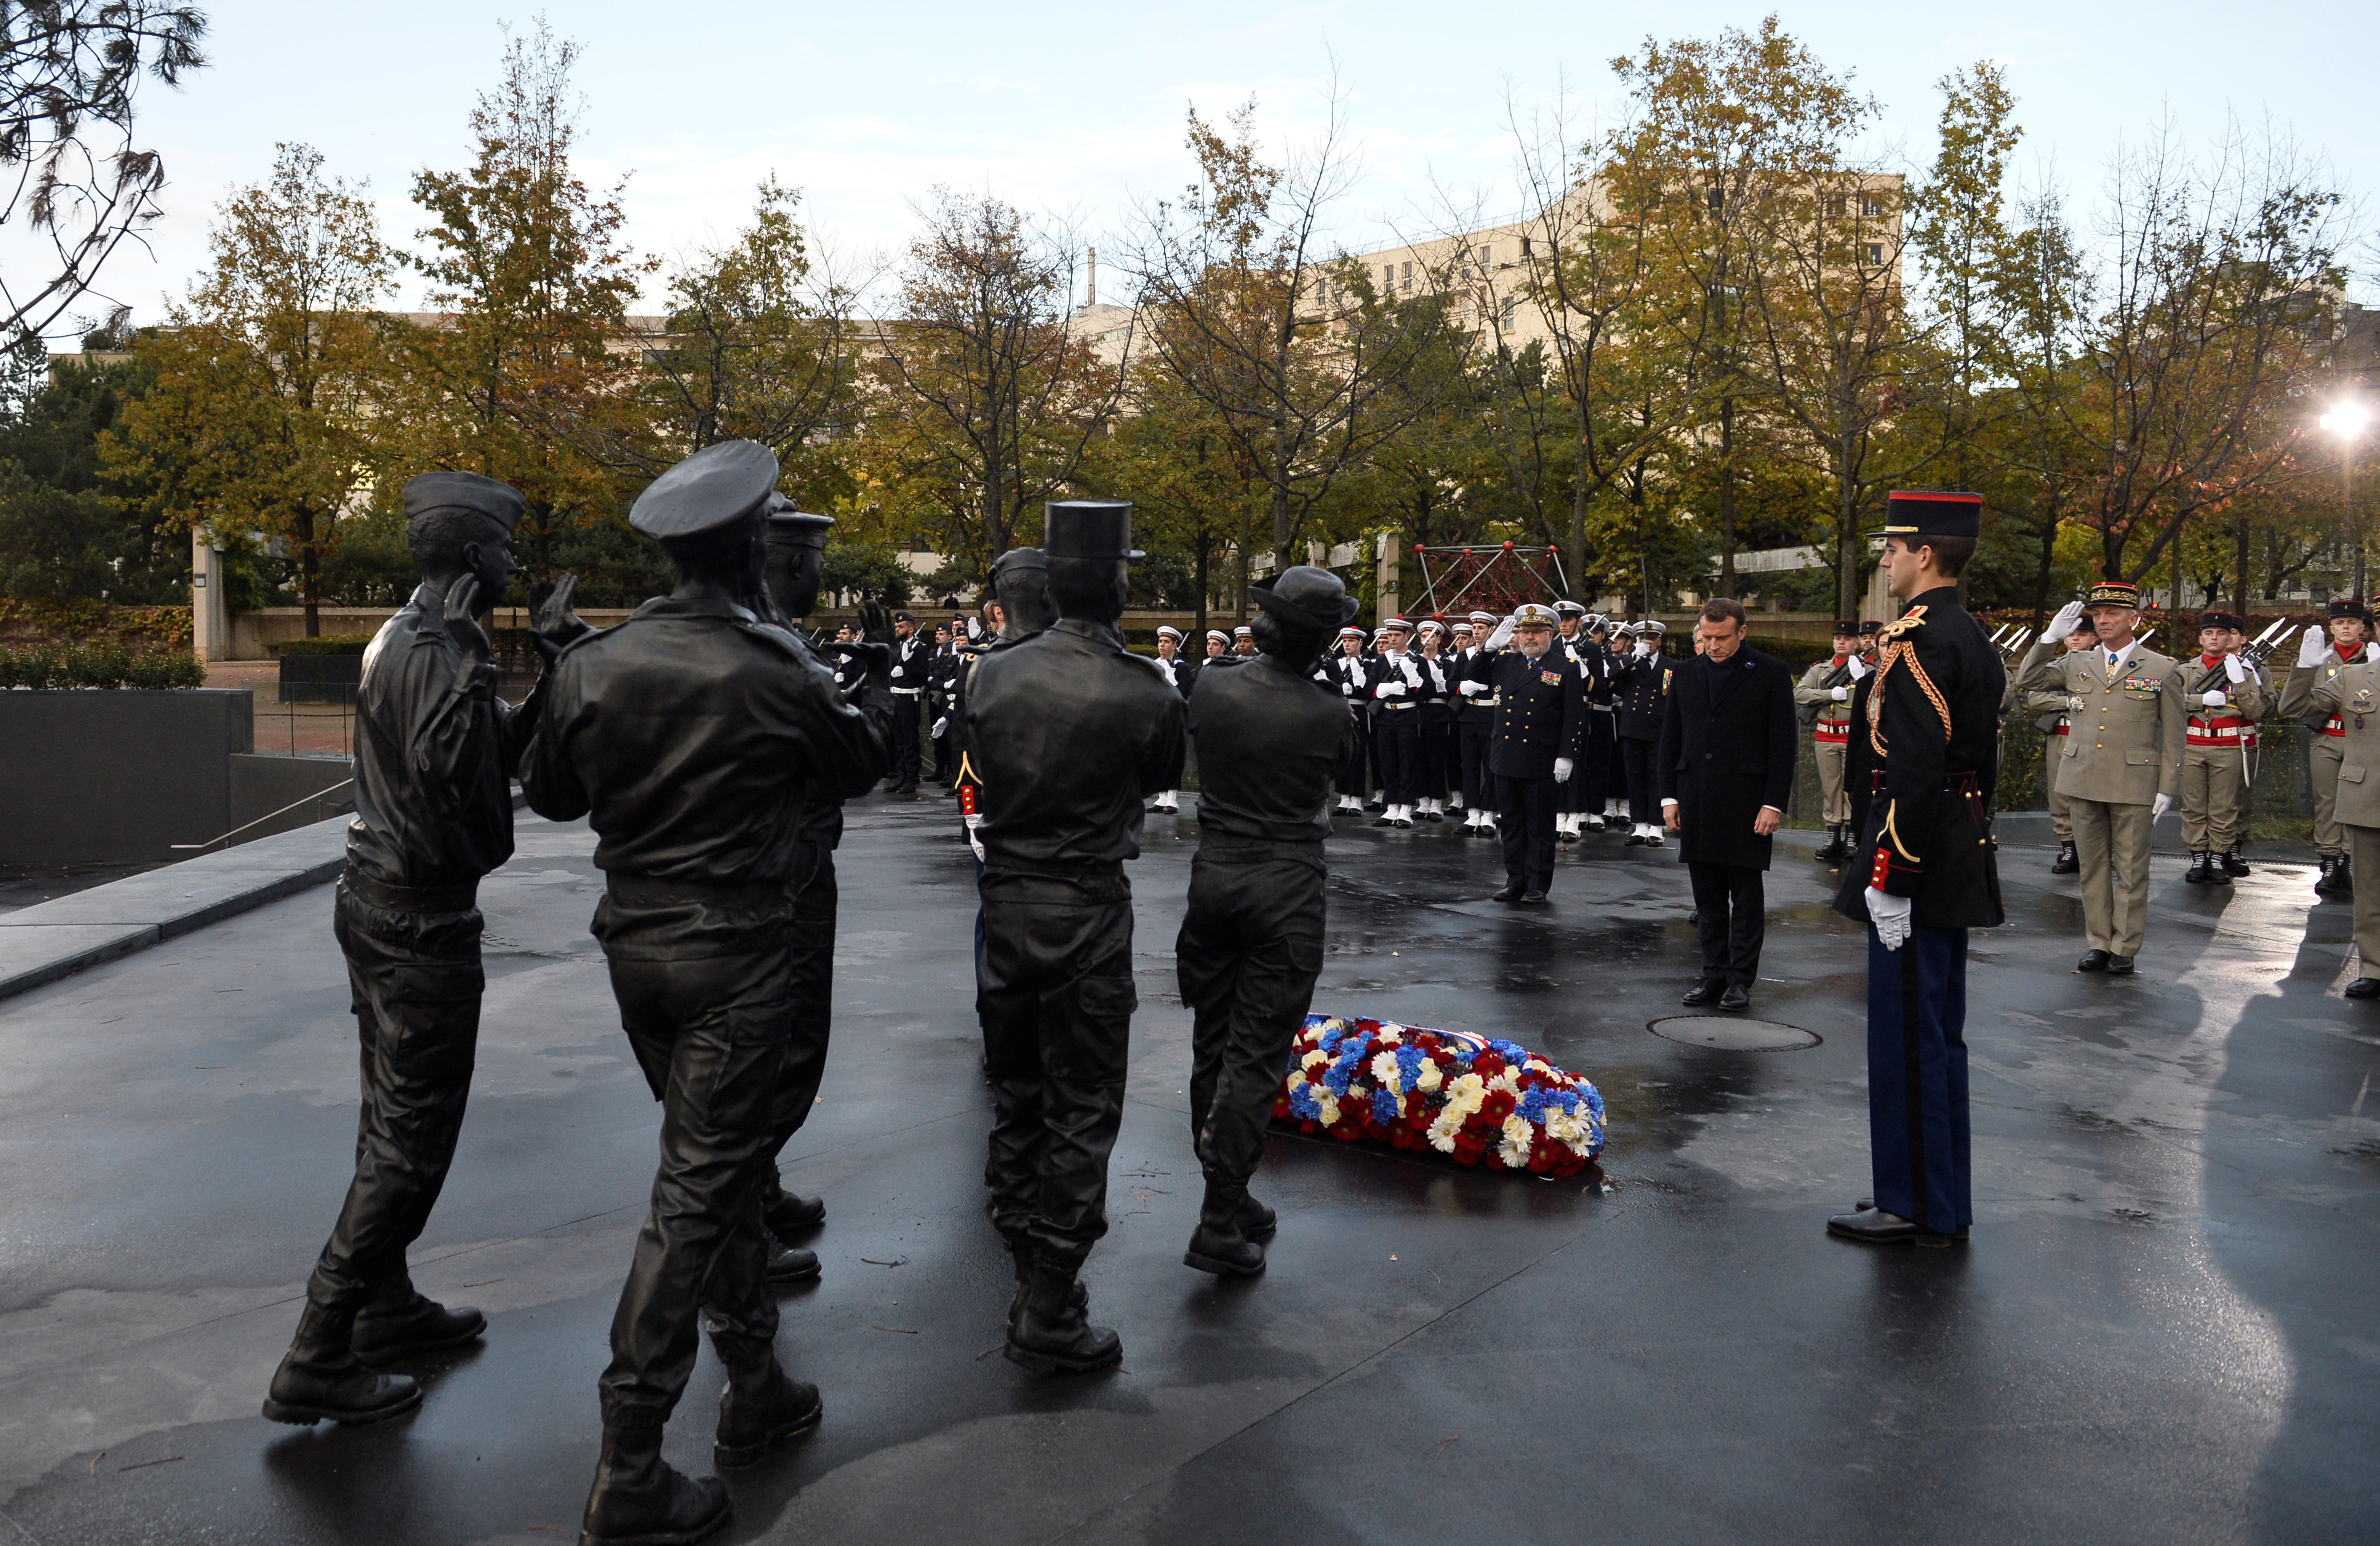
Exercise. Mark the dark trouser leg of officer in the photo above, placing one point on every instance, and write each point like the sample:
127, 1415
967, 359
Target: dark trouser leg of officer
1400, 748
1248, 953
906, 749
1597, 769
1524, 818
1731, 920
1055, 994
1355, 777
1473, 736
1917, 1077
415, 980
710, 1034
1643, 800
1436, 757
810, 1026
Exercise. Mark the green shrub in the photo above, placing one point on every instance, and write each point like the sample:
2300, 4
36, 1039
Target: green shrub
329, 643
55, 666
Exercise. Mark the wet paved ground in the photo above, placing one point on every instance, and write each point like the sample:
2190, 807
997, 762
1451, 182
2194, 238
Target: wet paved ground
2164, 1329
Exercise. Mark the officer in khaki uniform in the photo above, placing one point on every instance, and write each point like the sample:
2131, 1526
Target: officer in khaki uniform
2350, 631
1823, 699
2121, 764
2348, 695
2054, 728
2226, 697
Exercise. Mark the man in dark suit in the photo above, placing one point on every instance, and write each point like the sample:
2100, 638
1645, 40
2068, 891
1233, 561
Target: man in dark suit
1540, 719
1726, 769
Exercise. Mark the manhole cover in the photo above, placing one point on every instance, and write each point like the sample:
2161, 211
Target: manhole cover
1733, 1033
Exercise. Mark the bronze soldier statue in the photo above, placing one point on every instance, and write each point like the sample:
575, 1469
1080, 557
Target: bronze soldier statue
1271, 741
690, 735
435, 751
1069, 733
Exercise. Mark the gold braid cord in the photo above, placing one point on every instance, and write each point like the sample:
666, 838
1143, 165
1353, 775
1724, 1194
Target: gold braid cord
1900, 648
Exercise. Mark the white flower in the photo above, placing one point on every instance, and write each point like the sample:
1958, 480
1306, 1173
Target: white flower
1428, 1078
1329, 1104
1384, 1071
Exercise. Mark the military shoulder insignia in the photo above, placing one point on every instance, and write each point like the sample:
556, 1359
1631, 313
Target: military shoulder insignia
1904, 625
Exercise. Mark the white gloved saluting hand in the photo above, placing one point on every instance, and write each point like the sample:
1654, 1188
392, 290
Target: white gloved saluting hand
2311, 644
2069, 618
1501, 636
1890, 915
2235, 669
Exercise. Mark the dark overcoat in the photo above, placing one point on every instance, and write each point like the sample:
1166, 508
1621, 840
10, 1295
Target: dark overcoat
1728, 746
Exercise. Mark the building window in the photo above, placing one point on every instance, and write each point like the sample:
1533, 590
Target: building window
1389, 278
1509, 304
1408, 279
1525, 249
1876, 254
1872, 208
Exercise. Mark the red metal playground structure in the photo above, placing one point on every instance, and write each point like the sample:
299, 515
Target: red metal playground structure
1496, 579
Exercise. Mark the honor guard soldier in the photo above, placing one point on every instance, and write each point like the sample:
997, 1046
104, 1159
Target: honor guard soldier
1397, 684
1177, 674
1570, 639
688, 736
1218, 647
1642, 684
435, 751
2120, 768
1923, 762
1540, 719
1461, 643
1475, 728
1437, 721
2054, 725
1351, 674
1244, 642
2226, 698
1823, 697
2348, 695
2351, 634
1069, 729
913, 656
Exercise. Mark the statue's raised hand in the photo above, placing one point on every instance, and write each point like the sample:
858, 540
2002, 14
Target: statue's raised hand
553, 626
458, 614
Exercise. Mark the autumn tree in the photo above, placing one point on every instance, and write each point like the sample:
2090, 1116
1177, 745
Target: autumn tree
990, 395
263, 419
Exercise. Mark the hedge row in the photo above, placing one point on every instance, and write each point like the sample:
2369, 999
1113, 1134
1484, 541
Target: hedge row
65, 623
102, 665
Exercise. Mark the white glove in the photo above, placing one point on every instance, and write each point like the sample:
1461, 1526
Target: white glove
1390, 690
1842, 695
1501, 636
974, 628
1890, 915
940, 725
976, 843
1857, 667
2069, 618
1470, 689
2212, 700
2311, 644
2158, 807
1561, 770
2075, 705
2236, 669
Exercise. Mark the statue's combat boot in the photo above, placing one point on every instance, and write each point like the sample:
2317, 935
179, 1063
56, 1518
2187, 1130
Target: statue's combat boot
640, 1499
322, 1380
1049, 1330
1218, 1246
401, 1322
761, 1409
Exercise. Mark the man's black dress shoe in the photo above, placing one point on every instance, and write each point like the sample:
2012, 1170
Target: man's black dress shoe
2364, 987
2094, 960
1701, 993
1534, 898
1873, 1226
2120, 966
1734, 997
1509, 894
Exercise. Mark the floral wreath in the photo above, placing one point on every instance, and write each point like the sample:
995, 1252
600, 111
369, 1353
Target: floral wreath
1480, 1101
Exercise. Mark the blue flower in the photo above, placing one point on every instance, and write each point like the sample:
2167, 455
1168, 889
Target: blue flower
1302, 1101
1384, 1107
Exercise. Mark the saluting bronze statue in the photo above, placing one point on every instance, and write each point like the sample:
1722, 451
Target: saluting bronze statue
435, 749
690, 735
1069, 733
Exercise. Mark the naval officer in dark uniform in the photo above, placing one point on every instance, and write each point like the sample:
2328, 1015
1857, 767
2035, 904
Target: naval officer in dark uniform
435, 749
1540, 721
689, 736
1924, 761
1069, 733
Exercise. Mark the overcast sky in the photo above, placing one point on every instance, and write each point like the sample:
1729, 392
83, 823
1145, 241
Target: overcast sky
1079, 108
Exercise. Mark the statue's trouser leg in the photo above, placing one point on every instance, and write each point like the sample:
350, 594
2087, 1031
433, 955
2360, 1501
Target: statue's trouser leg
709, 1033
1248, 957
812, 1019
1056, 997
416, 981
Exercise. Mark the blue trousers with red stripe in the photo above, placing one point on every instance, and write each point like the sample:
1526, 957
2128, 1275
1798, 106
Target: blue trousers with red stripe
1917, 1077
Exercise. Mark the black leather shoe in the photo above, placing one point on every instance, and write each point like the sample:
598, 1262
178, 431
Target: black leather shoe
2119, 966
1734, 997
2202, 869
2094, 960
1700, 994
2066, 861
2234, 864
788, 1213
1873, 1226
1509, 894
790, 1264
760, 1411
384, 1335
2363, 987
2216, 873
1533, 899
640, 1499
